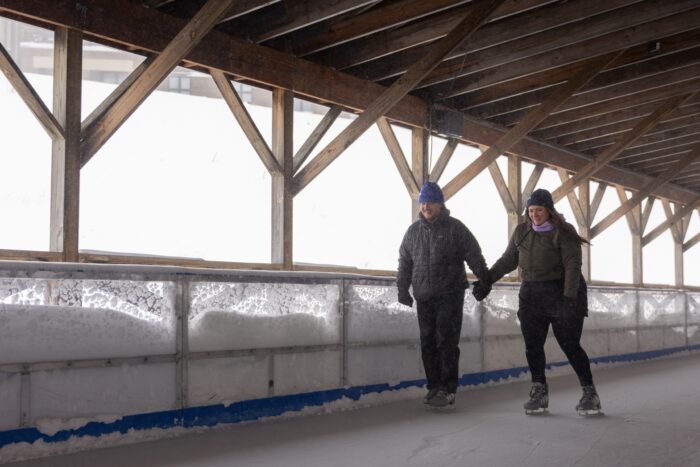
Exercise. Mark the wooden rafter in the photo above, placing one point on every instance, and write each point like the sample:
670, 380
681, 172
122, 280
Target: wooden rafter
632, 216
657, 231
502, 187
646, 213
601, 160
573, 200
692, 242
534, 59
123, 27
316, 135
398, 156
395, 92
164, 63
98, 112
246, 122
674, 228
597, 198
30, 97
531, 121
444, 158
644, 192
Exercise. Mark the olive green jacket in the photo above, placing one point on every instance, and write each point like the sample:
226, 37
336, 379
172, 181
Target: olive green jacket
542, 256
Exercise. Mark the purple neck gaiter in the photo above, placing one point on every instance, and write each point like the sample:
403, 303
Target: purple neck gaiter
546, 226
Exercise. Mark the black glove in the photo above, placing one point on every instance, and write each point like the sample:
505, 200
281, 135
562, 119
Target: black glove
405, 298
481, 289
568, 307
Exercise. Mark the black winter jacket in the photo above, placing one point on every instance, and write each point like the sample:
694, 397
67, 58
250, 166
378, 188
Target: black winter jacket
432, 256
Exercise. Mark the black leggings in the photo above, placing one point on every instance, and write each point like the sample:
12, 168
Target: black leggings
540, 306
440, 323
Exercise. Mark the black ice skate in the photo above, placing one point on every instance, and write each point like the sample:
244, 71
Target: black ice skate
442, 400
589, 403
430, 395
539, 399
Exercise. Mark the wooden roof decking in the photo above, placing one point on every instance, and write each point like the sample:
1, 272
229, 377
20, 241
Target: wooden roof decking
640, 109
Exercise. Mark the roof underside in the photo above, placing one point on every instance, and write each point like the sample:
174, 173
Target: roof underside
516, 60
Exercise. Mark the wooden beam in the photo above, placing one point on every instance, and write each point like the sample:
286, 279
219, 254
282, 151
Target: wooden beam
65, 151
176, 50
637, 252
573, 200
445, 156
515, 168
633, 216
282, 227
315, 137
646, 191
608, 155
420, 163
380, 18
646, 214
398, 156
533, 59
531, 183
502, 187
675, 231
661, 228
246, 122
584, 199
597, 198
692, 242
533, 119
99, 111
295, 15
396, 92
122, 28
30, 97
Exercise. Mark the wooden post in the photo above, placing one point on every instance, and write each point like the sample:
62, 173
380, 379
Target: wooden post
65, 150
515, 189
637, 249
282, 197
584, 199
420, 165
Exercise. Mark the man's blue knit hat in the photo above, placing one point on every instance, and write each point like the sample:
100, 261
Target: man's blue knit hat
541, 197
431, 193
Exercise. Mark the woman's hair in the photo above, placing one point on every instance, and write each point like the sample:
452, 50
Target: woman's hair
563, 226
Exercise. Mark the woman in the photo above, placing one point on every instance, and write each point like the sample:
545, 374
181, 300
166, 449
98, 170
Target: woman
547, 251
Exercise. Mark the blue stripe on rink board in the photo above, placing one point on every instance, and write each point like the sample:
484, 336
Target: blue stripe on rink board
250, 410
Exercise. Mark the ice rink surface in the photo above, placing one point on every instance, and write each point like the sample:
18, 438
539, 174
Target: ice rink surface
652, 418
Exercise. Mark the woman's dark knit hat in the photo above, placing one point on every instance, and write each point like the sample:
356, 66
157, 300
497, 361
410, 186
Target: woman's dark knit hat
541, 197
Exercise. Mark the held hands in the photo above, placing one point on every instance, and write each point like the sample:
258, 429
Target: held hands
481, 289
405, 298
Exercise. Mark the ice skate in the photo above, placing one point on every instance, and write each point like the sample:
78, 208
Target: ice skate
430, 395
539, 399
589, 403
442, 400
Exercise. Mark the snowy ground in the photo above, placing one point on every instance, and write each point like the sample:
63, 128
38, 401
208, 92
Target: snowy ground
652, 411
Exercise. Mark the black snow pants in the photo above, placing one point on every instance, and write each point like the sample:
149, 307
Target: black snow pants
541, 305
440, 323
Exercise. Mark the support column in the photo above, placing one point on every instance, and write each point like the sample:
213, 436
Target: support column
515, 189
65, 151
637, 249
678, 256
282, 197
584, 199
420, 165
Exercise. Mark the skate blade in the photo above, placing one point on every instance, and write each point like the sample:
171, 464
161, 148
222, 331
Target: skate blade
591, 413
440, 408
540, 411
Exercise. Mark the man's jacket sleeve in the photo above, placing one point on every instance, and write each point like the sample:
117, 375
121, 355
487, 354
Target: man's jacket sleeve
403, 278
509, 260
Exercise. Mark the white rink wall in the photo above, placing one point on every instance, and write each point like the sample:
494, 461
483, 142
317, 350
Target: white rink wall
112, 344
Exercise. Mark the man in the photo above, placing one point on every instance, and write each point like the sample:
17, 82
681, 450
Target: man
431, 259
